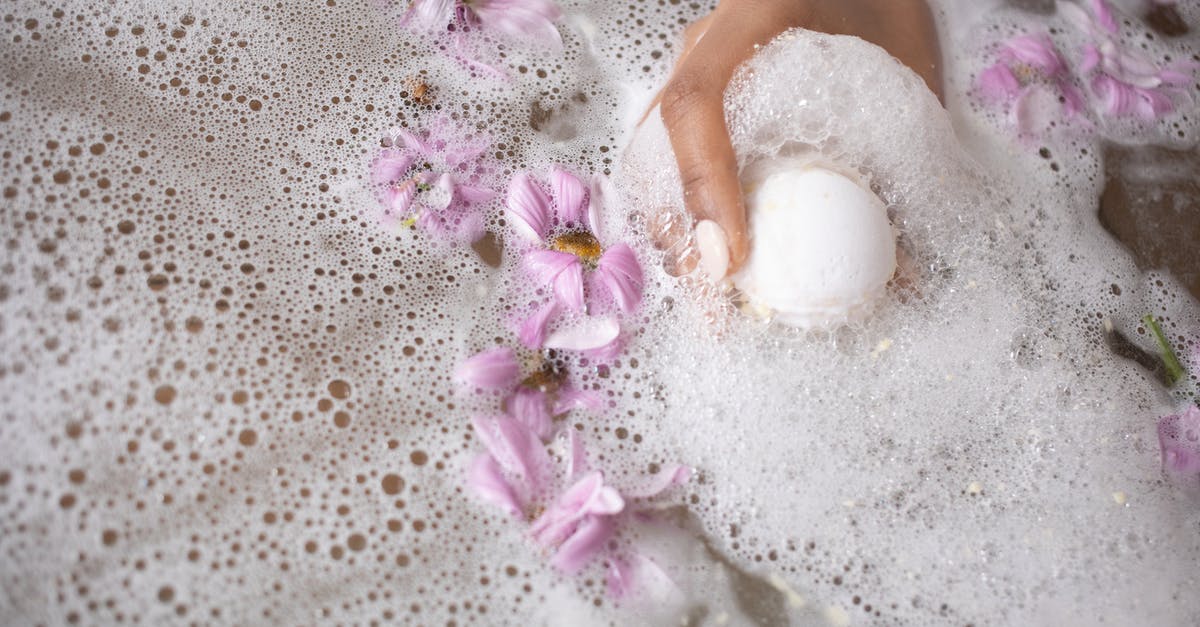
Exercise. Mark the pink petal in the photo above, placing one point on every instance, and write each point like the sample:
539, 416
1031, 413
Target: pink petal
1073, 101
999, 83
587, 497
607, 352
413, 142
516, 449
430, 14
391, 166
530, 407
591, 333
577, 456
492, 369
587, 541
463, 155
532, 332
666, 478
560, 271
620, 274
601, 190
1104, 16
639, 576
528, 207
472, 195
569, 399
486, 478
1179, 437
1036, 51
398, 199
569, 196
526, 19
1091, 58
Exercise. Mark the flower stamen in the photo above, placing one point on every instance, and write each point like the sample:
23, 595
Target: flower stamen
582, 244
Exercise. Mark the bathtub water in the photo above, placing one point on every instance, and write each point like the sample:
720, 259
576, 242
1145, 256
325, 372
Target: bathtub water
227, 392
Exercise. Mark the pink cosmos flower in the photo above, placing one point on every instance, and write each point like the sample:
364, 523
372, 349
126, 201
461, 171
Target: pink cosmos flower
1179, 437
1125, 82
432, 181
519, 19
533, 400
575, 515
1029, 71
567, 257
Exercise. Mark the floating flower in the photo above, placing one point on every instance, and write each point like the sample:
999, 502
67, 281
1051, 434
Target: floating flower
521, 19
573, 515
432, 182
1124, 81
533, 400
1179, 437
1028, 72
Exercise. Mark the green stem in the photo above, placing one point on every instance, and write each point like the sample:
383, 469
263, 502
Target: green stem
1174, 369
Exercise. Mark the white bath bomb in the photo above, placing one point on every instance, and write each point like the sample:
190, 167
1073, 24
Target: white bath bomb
821, 250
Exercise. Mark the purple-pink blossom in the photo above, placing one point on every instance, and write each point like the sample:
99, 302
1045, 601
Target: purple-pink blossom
432, 181
573, 513
529, 20
1124, 81
1179, 438
1029, 70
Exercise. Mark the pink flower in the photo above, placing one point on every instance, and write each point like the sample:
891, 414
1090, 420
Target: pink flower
1028, 72
1179, 437
578, 519
433, 182
519, 19
1124, 81
533, 400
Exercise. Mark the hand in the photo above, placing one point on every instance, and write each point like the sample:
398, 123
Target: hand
692, 102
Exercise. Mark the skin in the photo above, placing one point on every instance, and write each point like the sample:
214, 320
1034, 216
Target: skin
692, 102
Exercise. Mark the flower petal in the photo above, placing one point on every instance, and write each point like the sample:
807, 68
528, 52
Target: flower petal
528, 207
999, 83
620, 274
570, 398
398, 199
526, 19
515, 448
560, 271
569, 196
589, 334
492, 369
530, 407
1104, 16
583, 545
1179, 437
391, 166
587, 497
532, 331
666, 478
486, 478
430, 14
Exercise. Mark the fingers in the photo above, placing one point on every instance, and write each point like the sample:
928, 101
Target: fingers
691, 35
694, 114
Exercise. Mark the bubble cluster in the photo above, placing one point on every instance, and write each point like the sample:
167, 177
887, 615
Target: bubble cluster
226, 395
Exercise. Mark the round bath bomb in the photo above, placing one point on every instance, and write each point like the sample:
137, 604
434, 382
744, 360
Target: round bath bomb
821, 250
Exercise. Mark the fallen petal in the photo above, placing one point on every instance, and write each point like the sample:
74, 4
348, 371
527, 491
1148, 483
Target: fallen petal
486, 478
590, 334
528, 207
492, 369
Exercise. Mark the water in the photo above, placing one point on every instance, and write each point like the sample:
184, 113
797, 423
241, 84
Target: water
227, 392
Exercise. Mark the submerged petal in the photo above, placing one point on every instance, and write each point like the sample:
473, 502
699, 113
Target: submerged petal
492, 369
620, 274
1179, 437
583, 545
532, 332
1035, 51
391, 166
486, 478
430, 14
587, 497
516, 449
530, 19
589, 334
999, 83
560, 271
528, 207
569, 196
666, 478
530, 407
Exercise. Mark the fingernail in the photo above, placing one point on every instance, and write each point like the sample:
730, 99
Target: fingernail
714, 249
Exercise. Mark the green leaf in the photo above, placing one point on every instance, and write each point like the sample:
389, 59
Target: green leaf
1175, 370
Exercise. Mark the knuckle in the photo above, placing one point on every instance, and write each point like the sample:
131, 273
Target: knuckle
681, 97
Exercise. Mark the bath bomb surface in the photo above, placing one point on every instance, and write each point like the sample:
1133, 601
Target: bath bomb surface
822, 249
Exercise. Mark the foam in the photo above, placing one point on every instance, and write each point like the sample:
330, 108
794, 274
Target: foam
216, 365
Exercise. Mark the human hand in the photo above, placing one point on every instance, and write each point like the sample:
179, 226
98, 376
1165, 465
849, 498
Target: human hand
692, 102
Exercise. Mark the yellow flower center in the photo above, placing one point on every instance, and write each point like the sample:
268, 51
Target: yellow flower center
582, 244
